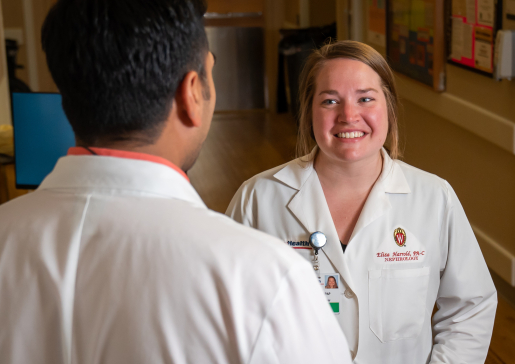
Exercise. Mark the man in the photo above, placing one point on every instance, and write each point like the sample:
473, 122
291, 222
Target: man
115, 258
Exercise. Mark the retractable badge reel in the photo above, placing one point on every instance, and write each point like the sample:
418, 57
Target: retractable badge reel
317, 241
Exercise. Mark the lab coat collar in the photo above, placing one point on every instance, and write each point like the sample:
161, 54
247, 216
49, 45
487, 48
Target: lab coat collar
392, 177
310, 206
296, 173
121, 174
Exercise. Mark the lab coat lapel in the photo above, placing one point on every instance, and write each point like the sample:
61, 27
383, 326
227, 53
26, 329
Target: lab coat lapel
391, 180
377, 205
310, 207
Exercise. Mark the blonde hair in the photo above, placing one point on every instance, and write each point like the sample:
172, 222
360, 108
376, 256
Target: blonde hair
359, 52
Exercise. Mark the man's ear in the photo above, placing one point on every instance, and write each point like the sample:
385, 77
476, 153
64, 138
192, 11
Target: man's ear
189, 99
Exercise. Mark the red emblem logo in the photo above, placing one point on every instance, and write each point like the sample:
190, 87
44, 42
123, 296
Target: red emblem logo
399, 236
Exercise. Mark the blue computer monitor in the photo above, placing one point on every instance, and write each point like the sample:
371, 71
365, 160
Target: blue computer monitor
42, 135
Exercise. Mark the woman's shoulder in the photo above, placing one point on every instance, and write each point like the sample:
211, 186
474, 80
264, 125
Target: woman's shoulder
419, 179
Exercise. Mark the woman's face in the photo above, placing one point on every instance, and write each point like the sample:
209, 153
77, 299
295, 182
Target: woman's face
350, 115
331, 282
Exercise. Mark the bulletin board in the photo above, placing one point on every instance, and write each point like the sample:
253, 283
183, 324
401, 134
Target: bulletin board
473, 30
415, 40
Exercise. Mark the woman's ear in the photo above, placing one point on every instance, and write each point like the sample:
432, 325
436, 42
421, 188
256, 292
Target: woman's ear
189, 99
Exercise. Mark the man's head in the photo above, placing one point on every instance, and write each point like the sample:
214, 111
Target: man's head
120, 64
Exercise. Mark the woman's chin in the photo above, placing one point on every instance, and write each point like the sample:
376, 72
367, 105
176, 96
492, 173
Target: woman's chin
355, 155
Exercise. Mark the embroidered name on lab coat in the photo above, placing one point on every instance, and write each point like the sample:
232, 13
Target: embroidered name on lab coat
401, 256
396, 251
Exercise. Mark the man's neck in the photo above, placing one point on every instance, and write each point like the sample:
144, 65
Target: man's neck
140, 146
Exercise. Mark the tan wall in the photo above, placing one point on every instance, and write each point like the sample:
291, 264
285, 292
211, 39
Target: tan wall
15, 14
322, 12
291, 12
235, 6
473, 153
482, 174
13, 18
5, 104
466, 135
40, 11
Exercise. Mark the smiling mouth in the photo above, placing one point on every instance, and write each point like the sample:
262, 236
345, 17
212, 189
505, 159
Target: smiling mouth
351, 135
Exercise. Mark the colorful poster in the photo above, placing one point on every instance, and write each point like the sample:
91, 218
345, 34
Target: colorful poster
411, 38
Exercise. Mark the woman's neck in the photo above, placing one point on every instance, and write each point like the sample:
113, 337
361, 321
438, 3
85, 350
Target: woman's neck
355, 176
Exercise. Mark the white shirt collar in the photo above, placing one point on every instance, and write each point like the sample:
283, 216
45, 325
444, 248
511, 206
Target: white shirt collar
122, 174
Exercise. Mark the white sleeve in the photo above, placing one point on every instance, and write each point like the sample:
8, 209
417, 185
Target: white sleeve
240, 208
467, 298
300, 327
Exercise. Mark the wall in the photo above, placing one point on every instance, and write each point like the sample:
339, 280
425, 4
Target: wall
235, 6
5, 104
28, 16
467, 136
40, 10
322, 12
13, 19
292, 13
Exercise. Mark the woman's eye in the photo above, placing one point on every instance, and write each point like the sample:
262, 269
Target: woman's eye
365, 99
329, 102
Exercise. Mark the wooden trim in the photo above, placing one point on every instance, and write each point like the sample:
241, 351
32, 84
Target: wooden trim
5, 102
304, 21
32, 60
439, 47
356, 24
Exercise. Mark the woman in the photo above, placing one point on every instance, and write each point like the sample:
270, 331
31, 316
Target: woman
397, 236
331, 283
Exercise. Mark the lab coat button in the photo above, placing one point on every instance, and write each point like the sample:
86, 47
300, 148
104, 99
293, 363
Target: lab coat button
348, 293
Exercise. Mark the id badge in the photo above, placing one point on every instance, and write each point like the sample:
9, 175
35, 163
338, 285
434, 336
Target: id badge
331, 284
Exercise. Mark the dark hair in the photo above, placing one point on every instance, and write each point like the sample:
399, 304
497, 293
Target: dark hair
118, 63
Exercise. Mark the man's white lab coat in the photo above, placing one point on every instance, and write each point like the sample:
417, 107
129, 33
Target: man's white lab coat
115, 260
389, 290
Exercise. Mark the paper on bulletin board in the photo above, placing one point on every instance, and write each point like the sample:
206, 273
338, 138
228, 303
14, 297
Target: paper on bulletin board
486, 12
483, 49
377, 22
465, 9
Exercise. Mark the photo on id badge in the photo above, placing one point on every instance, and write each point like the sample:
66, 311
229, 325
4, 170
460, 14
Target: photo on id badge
332, 291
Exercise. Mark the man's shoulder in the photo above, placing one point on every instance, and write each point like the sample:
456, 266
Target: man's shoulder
231, 235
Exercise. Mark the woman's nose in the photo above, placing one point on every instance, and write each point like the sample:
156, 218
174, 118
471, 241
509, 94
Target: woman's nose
348, 113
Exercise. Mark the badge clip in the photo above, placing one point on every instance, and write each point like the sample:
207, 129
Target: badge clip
317, 240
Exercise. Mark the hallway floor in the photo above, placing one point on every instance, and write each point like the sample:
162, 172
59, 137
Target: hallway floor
240, 145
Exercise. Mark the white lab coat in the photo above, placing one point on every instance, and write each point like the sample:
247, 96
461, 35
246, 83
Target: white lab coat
114, 260
386, 299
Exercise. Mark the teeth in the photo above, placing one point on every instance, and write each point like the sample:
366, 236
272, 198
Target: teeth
353, 134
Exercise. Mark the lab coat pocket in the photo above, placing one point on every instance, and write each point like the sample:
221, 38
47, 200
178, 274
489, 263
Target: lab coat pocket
397, 302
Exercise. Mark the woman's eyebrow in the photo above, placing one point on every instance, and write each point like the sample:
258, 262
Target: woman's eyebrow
329, 92
364, 91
